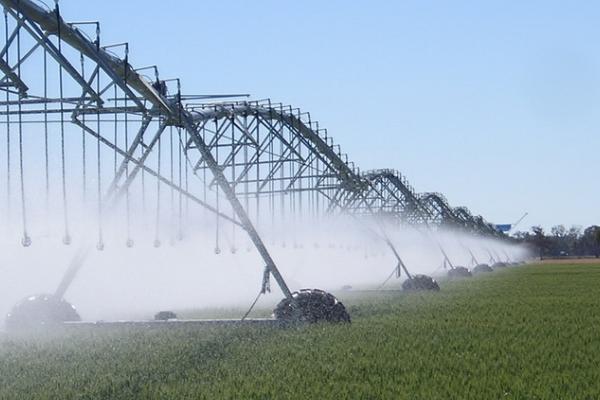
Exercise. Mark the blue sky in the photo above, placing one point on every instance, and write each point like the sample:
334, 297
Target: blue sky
495, 104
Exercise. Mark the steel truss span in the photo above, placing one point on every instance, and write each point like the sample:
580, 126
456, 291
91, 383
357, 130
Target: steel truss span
88, 135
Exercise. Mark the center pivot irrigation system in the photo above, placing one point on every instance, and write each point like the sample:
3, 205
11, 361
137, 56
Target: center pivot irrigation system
78, 116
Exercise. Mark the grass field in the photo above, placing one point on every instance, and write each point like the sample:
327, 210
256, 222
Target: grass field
525, 333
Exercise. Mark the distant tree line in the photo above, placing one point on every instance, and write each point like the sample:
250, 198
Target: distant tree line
560, 241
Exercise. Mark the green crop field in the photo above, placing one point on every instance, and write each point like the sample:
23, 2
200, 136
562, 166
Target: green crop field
530, 332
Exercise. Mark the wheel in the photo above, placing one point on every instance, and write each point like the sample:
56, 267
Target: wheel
165, 316
40, 310
420, 282
499, 265
482, 268
311, 305
459, 272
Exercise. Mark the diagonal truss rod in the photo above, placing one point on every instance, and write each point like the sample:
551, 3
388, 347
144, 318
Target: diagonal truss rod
139, 163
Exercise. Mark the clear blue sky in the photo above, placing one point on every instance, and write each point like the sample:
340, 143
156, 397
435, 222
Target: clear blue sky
496, 104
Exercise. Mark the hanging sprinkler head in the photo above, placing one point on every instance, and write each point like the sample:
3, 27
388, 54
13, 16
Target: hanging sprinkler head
26, 241
156, 243
67, 240
217, 250
129, 243
100, 246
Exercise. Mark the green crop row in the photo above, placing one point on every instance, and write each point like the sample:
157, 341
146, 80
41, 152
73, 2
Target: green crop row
530, 332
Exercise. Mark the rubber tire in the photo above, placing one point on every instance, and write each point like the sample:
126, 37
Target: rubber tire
164, 316
420, 282
482, 268
40, 310
459, 272
312, 306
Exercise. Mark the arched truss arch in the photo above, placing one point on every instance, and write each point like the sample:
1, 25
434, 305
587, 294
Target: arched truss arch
473, 223
390, 193
276, 155
439, 209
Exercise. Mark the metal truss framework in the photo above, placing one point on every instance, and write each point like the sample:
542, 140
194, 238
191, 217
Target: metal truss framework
266, 160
